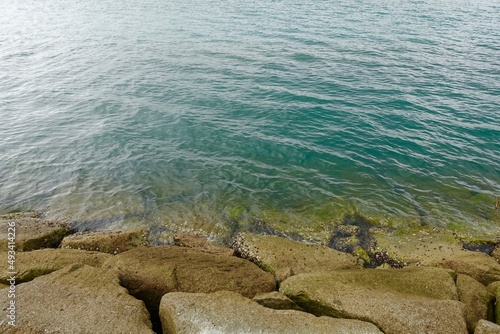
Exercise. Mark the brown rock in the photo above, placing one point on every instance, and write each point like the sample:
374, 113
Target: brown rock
477, 299
276, 300
200, 243
31, 232
229, 312
150, 272
44, 261
283, 257
479, 266
112, 242
76, 299
396, 303
487, 327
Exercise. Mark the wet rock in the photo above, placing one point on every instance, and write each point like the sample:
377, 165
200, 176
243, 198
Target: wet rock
397, 301
276, 300
44, 261
76, 299
477, 299
487, 327
200, 243
31, 232
112, 242
228, 312
150, 272
283, 257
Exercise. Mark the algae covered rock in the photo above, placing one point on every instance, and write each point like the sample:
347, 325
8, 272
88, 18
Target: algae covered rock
228, 312
397, 301
76, 299
479, 266
487, 327
283, 257
150, 272
477, 299
31, 232
494, 288
112, 242
44, 261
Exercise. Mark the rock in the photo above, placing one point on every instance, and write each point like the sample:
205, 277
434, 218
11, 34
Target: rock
3, 286
487, 327
75, 299
31, 232
200, 243
150, 272
494, 288
44, 261
496, 253
112, 242
276, 300
283, 257
479, 266
397, 301
477, 299
229, 312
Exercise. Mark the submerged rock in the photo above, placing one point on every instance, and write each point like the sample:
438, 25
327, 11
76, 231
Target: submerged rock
410, 301
150, 272
31, 232
477, 299
76, 299
196, 241
112, 242
30, 265
284, 258
229, 312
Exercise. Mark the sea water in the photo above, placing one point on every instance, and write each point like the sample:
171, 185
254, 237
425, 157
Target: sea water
203, 113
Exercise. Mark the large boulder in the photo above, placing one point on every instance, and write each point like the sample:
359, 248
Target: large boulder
112, 242
75, 299
36, 263
229, 312
487, 327
31, 232
410, 301
150, 272
477, 299
284, 257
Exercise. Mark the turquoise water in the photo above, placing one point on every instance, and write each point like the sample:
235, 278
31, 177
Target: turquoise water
195, 114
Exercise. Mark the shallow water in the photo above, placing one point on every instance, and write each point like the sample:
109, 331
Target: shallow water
202, 113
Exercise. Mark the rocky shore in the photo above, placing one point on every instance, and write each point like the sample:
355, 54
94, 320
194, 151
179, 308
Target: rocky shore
366, 279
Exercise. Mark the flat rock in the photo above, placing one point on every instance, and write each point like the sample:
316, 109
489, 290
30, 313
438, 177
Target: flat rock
477, 299
487, 327
396, 301
31, 232
44, 261
76, 299
112, 242
150, 272
199, 242
284, 257
276, 300
229, 312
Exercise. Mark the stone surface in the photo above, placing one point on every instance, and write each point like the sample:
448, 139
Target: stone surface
199, 242
284, 258
396, 301
487, 327
31, 232
228, 312
479, 266
44, 261
496, 253
112, 242
276, 300
477, 299
150, 272
494, 288
76, 299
